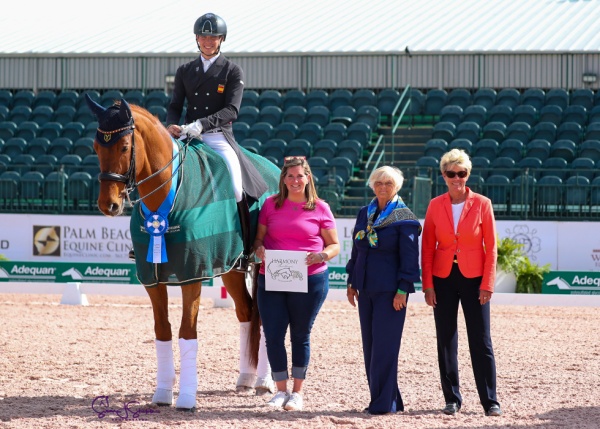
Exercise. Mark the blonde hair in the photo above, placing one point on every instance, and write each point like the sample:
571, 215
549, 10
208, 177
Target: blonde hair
387, 172
455, 157
309, 191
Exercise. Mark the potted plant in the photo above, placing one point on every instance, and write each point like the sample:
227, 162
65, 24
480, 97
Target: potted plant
515, 272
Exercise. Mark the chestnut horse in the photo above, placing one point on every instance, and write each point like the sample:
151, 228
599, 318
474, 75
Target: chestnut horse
135, 151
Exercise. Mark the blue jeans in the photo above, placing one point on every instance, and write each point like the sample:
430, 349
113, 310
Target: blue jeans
299, 311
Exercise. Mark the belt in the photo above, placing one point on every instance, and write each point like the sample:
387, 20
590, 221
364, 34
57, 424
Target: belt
216, 130
455, 260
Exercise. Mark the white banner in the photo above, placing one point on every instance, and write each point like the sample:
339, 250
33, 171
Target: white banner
566, 246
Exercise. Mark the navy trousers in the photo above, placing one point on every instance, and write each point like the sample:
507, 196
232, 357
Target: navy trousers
449, 292
381, 328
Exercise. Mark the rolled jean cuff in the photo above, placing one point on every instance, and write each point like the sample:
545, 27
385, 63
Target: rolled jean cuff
299, 372
280, 375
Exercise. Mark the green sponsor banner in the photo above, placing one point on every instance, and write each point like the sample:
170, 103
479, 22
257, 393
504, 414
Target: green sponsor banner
572, 283
338, 278
67, 272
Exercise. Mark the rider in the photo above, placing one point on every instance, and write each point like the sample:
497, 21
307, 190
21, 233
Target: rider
213, 87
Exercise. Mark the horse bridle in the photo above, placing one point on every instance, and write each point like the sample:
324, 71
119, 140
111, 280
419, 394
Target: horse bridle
129, 177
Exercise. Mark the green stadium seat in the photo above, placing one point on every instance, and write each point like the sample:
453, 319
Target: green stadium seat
512, 148
159, 111
79, 191
70, 163
435, 100
461, 144
31, 186
361, 132
310, 131
251, 145
480, 165
27, 130
518, 131
50, 130
325, 149
500, 113
42, 115
350, 149
241, 130
248, 114
475, 113
269, 97
494, 131
15, 146
570, 131
508, 97
577, 114
341, 166
590, 149
557, 97
64, 114
91, 165
544, 131
319, 115
73, 130
19, 114
340, 97
369, 115
486, 148
250, 98
363, 97
316, 97
344, 114
485, 97
45, 164
60, 147
23, 98
531, 165
565, 149
38, 146
452, 114
505, 166
6, 98
66, 98
298, 147
293, 97
83, 147
387, 99
526, 114
551, 113
109, 97
554, 166
538, 148
156, 98
296, 114
262, 131
135, 96
275, 148
534, 97
286, 131
93, 94
468, 130
459, 97
44, 98
271, 115
335, 131
22, 163
577, 193
582, 166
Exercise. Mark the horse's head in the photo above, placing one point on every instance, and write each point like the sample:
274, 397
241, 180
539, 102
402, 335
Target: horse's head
114, 144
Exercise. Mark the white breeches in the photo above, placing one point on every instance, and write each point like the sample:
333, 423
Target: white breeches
218, 143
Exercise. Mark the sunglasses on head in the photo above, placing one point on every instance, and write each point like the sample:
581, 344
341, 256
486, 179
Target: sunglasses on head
291, 158
453, 174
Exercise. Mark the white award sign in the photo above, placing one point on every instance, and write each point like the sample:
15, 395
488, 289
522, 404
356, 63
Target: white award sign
286, 271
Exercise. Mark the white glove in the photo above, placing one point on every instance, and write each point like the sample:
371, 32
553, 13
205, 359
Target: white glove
192, 130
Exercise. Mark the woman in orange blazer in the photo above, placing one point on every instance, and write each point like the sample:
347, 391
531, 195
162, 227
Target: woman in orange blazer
458, 262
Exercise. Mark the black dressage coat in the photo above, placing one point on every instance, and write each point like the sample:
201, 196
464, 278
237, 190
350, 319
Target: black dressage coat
214, 97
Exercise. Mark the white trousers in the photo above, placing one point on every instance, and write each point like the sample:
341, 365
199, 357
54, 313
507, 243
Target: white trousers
218, 143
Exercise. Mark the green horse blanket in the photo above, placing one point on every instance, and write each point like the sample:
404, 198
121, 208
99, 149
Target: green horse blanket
203, 238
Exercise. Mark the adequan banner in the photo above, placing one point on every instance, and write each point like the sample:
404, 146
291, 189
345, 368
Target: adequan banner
571, 283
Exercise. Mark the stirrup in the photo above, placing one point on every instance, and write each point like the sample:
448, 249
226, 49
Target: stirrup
131, 255
242, 264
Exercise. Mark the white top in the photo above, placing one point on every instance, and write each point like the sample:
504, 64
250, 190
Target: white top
207, 63
456, 211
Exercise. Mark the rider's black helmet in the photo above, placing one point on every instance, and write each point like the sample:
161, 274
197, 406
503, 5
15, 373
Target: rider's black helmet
210, 24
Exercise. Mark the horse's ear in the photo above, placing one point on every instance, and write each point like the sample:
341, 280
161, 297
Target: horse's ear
124, 111
94, 107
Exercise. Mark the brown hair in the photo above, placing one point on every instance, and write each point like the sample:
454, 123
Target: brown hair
309, 191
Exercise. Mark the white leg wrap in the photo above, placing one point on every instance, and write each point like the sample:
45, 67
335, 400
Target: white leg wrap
188, 374
245, 366
264, 367
247, 375
165, 373
264, 381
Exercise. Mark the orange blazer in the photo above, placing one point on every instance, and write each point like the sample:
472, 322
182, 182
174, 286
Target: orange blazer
474, 242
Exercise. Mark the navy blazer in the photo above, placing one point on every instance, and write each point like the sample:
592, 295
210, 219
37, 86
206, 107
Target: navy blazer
393, 264
214, 98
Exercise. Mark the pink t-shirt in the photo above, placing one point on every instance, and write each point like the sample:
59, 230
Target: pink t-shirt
293, 228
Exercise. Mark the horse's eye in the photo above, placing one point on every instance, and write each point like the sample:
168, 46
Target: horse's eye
124, 149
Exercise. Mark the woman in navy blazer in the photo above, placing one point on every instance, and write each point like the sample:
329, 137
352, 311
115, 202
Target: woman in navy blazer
382, 269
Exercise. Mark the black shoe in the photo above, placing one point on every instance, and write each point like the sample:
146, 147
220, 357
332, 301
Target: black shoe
451, 408
132, 255
494, 411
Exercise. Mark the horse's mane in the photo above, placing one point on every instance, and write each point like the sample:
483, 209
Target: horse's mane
139, 112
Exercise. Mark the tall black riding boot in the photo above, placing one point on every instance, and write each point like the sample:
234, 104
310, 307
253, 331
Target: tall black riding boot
244, 213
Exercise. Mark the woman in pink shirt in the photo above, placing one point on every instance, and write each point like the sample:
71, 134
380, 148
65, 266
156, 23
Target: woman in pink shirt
294, 219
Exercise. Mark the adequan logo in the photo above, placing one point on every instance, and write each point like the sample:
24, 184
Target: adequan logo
46, 240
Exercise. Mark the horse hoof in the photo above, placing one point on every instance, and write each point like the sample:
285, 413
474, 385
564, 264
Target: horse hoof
163, 397
245, 382
264, 386
186, 402
186, 410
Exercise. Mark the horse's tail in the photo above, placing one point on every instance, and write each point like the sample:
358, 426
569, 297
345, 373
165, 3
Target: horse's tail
255, 320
